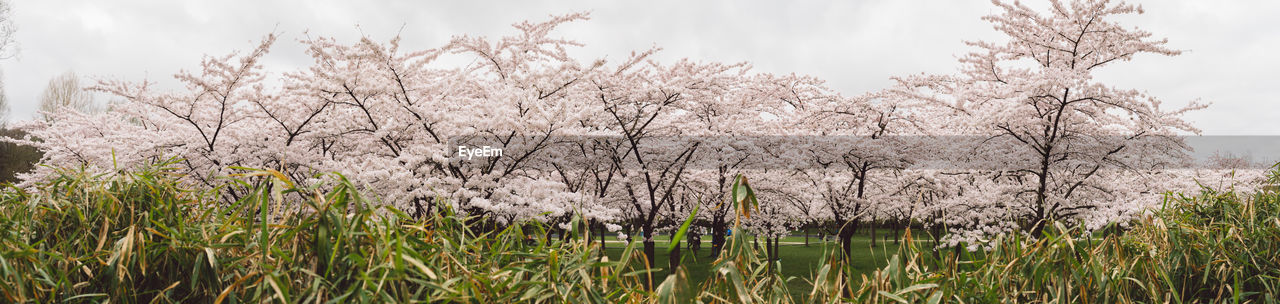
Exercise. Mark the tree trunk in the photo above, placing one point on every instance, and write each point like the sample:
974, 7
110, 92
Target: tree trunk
648, 244
846, 246
417, 208
673, 260
773, 249
776, 253
846, 240
768, 248
873, 234
896, 233
631, 234
717, 237
1042, 192
806, 238
603, 247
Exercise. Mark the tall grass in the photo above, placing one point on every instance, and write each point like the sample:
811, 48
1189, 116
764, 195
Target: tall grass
1212, 247
140, 237
143, 237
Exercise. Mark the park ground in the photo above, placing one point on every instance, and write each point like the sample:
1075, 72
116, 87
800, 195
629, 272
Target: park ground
796, 259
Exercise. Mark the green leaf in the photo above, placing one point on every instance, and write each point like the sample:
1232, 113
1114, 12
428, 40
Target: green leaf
892, 296
421, 267
916, 287
675, 289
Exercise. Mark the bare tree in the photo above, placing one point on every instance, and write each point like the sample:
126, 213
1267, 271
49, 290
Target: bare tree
4, 103
8, 47
65, 93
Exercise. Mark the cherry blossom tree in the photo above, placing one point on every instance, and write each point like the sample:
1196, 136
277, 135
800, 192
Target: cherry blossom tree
650, 107
1056, 141
405, 120
860, 146
384, 117
775, 218
1021, 136
753, 128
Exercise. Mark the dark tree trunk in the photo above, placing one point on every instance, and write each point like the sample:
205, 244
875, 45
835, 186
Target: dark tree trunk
768, 249
873, 234
631, 234
648, 244
776, 254
649, 259
937, 243
417, 208
774, 250
896, 232
673, 260
846, 239
1042, 193
717, 237
806, 238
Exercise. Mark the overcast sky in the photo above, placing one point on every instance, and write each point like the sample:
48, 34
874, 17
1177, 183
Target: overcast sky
854, 45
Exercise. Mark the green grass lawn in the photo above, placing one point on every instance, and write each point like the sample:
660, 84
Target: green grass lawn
797, 261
